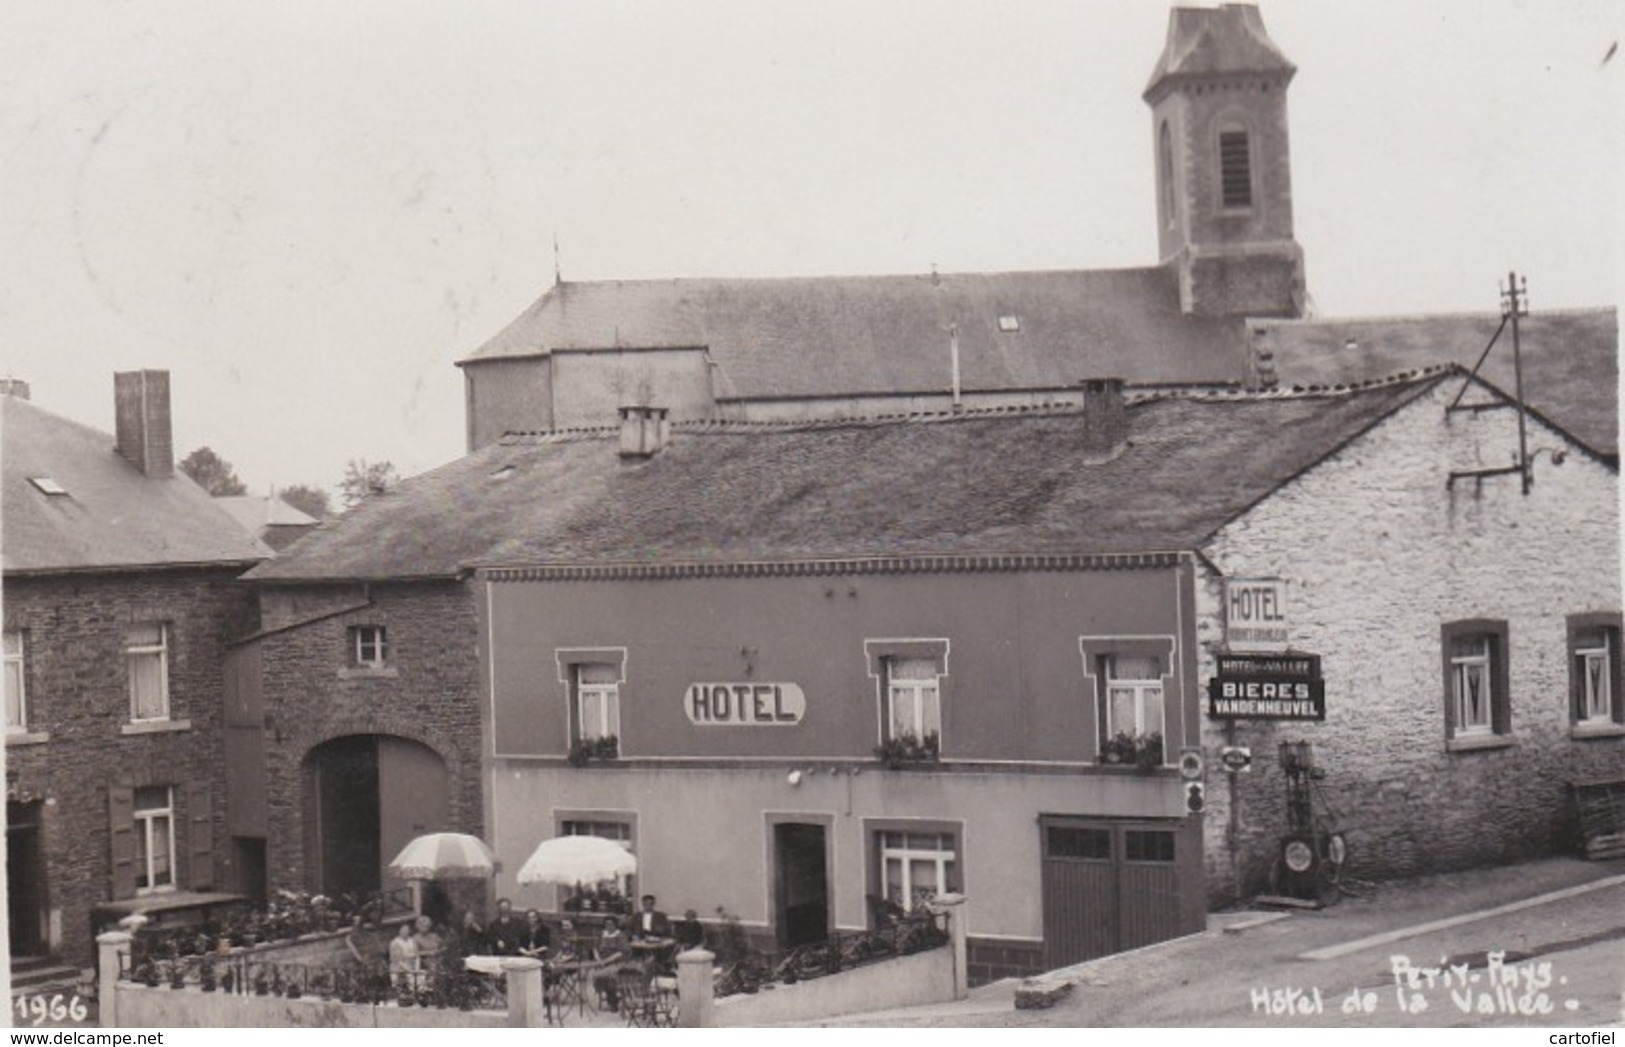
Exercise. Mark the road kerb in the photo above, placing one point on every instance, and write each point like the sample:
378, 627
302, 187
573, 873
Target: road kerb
1332, 952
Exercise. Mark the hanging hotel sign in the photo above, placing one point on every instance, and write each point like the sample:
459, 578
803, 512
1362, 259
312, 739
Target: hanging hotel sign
1267, 687
745, 704
1255, 614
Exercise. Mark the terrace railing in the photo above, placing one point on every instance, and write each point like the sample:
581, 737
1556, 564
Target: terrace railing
909, 934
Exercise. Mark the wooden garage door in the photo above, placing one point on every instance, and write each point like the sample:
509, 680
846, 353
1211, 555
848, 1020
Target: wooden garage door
1108, 886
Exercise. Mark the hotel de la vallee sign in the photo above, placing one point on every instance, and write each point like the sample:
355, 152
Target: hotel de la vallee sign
1259, 678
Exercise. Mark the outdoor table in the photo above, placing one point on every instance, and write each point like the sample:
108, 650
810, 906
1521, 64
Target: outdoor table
491, 965
662, 951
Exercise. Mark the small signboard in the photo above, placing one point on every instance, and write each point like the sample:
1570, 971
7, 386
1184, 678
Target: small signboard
1267, 687
745, 704
1236, 758
1255, 614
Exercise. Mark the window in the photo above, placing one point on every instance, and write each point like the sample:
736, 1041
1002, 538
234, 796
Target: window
1165, 151
1235, 170
16, 687
621, 833
1470, 684
369, 646
913, 699
146, 657
1148, 845
598, 702
1133, 686
915, 867
1477, 702
1594, 671
1088, 843
154, 839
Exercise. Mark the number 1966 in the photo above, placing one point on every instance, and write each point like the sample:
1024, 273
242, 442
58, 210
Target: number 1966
58, 1008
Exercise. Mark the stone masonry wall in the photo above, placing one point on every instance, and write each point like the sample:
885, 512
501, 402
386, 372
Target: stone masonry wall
1378, 552
430, 694
78, 695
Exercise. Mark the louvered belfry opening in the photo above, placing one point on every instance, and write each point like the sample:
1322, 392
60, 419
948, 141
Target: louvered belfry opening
1235, 170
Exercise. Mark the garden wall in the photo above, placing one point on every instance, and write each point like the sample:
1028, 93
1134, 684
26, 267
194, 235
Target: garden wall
925, 977
140, 1007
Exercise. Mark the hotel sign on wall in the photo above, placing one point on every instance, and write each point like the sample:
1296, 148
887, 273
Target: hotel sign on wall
1267, 687
744, 704
1255, 614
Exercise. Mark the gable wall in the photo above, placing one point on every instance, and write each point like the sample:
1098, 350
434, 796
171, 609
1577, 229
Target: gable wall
1378, 552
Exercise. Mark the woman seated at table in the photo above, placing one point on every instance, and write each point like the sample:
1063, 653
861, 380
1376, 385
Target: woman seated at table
613, 951
536, 939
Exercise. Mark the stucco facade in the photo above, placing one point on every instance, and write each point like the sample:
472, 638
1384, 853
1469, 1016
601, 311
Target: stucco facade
1379, 550
703, 795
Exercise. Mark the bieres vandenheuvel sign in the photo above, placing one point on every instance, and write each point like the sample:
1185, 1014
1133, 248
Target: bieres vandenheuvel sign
744, 704
1267, 687
1255, 614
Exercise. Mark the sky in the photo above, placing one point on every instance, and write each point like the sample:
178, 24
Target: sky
308, 211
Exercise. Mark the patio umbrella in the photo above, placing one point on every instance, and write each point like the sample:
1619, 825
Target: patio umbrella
444, 856
570, 860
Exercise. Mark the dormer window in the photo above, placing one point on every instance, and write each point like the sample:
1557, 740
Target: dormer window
1009, 323
1235, 170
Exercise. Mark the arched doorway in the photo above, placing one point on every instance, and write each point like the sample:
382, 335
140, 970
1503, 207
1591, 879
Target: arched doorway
366, 795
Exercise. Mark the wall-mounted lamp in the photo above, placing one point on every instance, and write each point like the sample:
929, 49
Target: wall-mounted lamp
794, 778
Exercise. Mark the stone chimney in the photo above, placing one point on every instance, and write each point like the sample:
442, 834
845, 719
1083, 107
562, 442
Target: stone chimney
14, 387
141, 409
1105, 421
644, 431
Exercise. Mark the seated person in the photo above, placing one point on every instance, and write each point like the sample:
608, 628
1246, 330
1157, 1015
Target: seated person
649, 921
612, 944
536, 939
505, 931
688, 932
613, 950
471, 940
566, 951
430, 944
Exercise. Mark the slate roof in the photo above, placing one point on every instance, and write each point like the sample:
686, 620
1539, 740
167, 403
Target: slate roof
253, 511
1014, 481
111, 516
1570, 359
825, 336
1211, 42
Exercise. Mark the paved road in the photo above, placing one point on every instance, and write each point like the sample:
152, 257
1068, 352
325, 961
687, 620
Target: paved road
1564, 964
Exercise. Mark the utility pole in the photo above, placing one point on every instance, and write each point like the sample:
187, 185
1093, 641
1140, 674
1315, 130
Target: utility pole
1515, 303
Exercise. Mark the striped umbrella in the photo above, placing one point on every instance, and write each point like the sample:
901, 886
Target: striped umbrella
444, 856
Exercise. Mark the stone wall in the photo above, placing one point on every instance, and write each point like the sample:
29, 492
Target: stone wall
430, 693
1378, 550
80, 743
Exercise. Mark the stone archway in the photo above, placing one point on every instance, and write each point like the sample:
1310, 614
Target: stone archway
366, 795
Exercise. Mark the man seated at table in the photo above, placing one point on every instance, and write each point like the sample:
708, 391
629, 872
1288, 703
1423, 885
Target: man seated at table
650, 922
506, 931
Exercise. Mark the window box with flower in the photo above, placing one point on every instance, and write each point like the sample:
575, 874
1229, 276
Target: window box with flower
906, 750
1140, 751
586, 750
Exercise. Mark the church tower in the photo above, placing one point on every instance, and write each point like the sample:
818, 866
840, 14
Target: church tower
1224, 171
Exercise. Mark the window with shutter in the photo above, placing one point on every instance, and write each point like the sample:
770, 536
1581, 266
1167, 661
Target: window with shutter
199, 837
121, 838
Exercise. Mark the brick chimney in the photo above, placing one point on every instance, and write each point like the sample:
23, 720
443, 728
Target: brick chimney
644, 431
1105, 422
14, 387
141, 409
